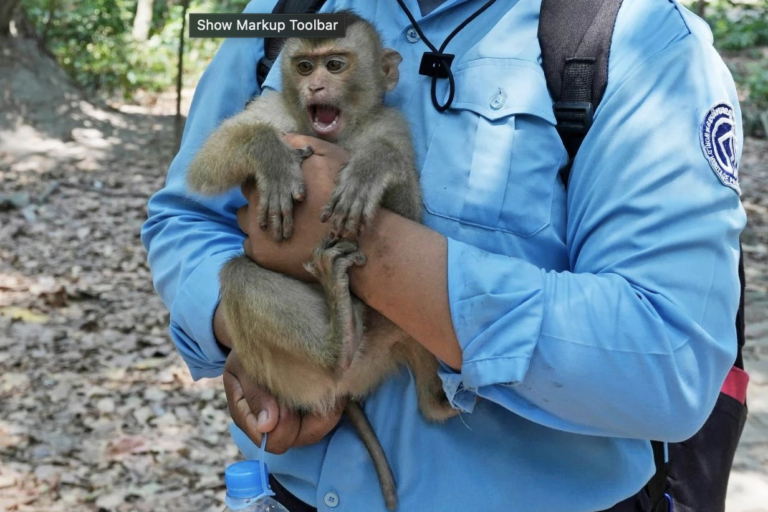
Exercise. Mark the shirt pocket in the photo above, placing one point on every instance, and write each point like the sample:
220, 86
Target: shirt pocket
494, 156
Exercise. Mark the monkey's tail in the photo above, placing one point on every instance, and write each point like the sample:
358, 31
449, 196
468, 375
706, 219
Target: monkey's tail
363, 427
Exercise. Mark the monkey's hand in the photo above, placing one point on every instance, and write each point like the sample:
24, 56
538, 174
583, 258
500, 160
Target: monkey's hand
360, 186
280, 182
330, 263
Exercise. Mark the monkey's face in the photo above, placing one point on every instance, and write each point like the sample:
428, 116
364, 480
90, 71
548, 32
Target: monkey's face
322, 81
334, 84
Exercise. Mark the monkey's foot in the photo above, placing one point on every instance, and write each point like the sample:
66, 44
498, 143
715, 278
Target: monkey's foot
331, 260
436, 408
330, 263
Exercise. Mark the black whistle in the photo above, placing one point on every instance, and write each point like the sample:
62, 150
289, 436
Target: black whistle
436, 65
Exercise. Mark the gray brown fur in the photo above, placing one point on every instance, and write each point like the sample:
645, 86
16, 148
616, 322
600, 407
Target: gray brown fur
313, 345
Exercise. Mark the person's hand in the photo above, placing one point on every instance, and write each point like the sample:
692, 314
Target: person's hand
289, 256
255, 411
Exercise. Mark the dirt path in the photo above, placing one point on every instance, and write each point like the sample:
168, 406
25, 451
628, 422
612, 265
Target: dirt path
97, 411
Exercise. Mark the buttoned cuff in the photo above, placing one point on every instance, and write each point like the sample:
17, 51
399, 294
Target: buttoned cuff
192, 318
497, 308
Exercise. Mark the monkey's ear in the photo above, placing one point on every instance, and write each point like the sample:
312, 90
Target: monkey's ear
389, 63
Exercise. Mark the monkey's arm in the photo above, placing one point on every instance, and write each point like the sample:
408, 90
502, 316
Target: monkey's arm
249, 146
380, 172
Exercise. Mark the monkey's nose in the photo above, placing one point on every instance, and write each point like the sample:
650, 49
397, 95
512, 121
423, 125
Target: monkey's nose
315, 88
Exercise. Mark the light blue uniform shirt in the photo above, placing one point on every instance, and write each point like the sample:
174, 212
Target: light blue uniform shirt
585, 334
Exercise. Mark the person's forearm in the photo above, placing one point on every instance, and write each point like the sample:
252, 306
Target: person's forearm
405, 279
220, 328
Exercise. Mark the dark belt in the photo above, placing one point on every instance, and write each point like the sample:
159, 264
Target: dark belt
637, 503
287, 499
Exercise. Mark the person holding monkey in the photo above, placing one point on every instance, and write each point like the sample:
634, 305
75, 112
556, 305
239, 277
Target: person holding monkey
572, 325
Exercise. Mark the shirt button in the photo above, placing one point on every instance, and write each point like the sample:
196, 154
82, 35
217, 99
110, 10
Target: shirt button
412, 36
331, 499
498, 100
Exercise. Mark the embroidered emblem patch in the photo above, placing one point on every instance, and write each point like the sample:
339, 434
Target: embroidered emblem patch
719, 143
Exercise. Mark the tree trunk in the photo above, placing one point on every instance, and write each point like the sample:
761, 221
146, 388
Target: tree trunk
143, 20
52, 5
178, 124
7, 10
702, 8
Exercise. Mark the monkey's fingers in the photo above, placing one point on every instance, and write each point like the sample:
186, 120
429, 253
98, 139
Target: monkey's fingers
369, 212
341, 210
299, 192
354, 226
339, 220
263, 212
330, 206
286, 209
275, 216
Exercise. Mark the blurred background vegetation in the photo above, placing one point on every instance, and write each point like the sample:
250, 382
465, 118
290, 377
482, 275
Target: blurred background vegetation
740, 30
118, 48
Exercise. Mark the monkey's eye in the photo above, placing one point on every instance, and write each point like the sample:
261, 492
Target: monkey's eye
335, 65
305, 67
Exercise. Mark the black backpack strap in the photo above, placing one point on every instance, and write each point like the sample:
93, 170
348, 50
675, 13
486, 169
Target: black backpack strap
740, 320
657, 485
273, 45
575, 40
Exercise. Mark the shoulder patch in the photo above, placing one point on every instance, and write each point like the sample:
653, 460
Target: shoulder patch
719, 143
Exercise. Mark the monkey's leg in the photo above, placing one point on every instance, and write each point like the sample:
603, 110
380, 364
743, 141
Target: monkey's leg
267, 312
329, 265
363, 427
433, 403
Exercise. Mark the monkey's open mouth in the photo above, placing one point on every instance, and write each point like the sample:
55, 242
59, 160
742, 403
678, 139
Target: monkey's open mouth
325, 119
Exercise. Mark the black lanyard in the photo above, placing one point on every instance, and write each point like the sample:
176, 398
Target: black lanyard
436, 63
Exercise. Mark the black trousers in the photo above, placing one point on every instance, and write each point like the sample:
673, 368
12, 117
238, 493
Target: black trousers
638, 503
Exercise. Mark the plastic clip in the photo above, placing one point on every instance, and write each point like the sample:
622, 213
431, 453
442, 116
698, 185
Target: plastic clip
573, 116
436, 65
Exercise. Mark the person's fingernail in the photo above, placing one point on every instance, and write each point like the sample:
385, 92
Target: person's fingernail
263, 417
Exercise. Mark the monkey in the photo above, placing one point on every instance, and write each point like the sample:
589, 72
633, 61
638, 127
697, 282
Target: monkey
314, 344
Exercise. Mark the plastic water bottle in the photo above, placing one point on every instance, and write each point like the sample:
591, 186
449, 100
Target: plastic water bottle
248, 490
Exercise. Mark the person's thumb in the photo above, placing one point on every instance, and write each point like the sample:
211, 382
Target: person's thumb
253, 409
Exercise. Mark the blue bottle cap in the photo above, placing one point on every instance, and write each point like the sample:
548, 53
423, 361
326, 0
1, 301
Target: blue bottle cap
244, 479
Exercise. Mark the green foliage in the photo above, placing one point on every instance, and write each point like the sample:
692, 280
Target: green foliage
752, 78
756, 83
740, 30
92, 40
738, 25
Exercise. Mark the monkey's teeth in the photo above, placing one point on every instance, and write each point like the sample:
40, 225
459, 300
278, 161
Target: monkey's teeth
323, 126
